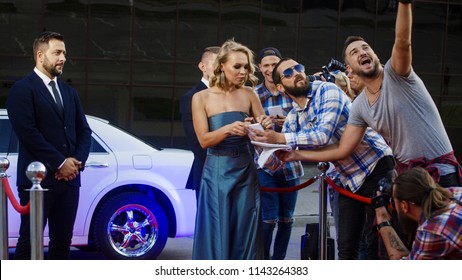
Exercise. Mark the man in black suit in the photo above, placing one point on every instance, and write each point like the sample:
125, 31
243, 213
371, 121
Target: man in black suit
51, 126
206, 66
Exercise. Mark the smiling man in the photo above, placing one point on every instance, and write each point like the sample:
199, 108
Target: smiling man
395, 103
277, 208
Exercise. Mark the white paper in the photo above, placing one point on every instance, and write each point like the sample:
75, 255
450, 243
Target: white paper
275, 111
268, 150
256, 126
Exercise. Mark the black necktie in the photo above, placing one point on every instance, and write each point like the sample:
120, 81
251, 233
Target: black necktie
59, 103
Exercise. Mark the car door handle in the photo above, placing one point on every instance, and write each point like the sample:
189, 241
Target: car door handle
97, 164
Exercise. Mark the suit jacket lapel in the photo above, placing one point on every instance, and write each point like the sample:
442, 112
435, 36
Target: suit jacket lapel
201, 86
44, 92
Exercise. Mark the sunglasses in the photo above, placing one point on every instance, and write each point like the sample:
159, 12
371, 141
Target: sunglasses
289, 72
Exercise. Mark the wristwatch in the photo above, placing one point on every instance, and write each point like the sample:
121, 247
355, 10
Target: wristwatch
383, 224
406, 1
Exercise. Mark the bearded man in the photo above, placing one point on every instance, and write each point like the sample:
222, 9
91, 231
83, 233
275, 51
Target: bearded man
437, 211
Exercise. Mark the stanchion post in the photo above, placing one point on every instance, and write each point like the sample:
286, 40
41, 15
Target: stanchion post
322, 239
36, 172
4, 164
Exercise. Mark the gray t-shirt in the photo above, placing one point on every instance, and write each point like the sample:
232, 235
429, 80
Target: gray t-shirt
405, 115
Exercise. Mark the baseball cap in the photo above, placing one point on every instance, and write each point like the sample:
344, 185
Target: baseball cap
267, 52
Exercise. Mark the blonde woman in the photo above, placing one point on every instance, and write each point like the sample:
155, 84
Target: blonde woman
343, 82
228, 217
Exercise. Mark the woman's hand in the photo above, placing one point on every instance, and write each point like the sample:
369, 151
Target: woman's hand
265, 121
238, 128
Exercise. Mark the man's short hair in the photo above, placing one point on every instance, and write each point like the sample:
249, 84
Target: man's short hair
211, 49
348, 41
43, 39
275, 75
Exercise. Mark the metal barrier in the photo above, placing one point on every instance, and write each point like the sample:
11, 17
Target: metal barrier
323, 167
36, 172
323, 181
4, 165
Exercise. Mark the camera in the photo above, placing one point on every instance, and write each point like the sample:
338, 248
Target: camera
384, 199
332, 65
325, 73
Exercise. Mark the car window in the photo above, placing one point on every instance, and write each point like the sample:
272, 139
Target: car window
96, 146
8, 140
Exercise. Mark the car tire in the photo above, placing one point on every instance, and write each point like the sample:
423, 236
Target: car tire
131, 226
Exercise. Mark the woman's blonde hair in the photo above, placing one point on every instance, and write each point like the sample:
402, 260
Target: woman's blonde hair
343, 82
222, 57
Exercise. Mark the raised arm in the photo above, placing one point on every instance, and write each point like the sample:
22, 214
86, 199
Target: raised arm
401, 56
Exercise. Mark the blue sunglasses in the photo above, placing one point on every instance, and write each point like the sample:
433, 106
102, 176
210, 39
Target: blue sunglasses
289, 72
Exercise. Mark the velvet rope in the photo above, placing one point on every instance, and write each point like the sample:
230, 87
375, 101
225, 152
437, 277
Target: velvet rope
341, 190
290, 189
20, 209
337, 188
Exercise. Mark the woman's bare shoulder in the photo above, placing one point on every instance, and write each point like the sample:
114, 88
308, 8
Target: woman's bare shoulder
246, 90
202, 94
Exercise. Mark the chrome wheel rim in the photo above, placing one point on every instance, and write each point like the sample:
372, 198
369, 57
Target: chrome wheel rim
132, 230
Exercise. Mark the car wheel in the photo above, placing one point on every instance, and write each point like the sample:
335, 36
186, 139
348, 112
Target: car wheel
131, 226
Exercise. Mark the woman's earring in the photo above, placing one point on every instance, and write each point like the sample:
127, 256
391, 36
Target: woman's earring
222, 78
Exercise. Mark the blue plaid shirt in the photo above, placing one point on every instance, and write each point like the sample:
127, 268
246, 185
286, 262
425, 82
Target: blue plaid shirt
292, 170
322, 121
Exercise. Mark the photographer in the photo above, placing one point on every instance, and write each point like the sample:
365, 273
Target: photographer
437, 211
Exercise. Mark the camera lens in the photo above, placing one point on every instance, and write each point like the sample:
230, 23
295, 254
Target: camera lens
334, 64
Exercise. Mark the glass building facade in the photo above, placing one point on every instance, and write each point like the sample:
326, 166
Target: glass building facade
131, 60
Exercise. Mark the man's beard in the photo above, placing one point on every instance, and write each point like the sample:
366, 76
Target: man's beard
51, 68
297, 91
372, 73
408, 225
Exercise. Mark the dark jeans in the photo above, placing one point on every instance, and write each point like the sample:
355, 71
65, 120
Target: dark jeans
60, 204
356, 218
277, 209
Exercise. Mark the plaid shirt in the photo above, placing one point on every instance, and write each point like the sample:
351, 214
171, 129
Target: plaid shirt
292, 170
321, 122
441, 236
